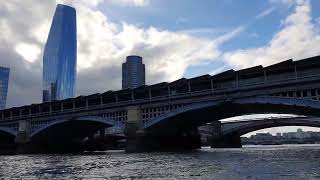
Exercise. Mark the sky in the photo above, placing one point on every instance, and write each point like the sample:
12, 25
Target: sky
176, 38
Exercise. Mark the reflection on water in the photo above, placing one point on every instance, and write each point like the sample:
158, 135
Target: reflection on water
250, 162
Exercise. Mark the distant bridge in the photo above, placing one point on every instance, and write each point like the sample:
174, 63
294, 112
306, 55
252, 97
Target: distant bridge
168, 114
243, 127
228, 134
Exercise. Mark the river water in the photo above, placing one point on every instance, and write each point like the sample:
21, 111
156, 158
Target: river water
251, 162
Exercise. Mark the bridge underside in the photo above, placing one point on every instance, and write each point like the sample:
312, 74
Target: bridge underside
255, 127
171, 129
198, 117
64, 137
7, 144
232, 138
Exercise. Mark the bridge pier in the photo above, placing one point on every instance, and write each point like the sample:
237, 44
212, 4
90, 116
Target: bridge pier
218, 140
133, 130
22, 139
141, 140
233, 141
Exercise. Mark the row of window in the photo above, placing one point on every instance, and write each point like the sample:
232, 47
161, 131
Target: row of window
150, 113
121, 116
37, 124
313, 93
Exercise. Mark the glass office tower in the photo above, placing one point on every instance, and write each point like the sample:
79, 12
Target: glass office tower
60, 56
133, 72
4, 79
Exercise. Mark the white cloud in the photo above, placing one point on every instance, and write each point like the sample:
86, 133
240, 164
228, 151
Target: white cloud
230, 35
318, 20
102, 47
297, 39
29, 52
130, 2
285, 2
265, 13
205, 31
94, 3
90, 3
167, 53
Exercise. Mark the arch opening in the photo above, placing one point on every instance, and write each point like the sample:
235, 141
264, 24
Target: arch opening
7, 143
282, 135
186, 119
66, 136
194, 116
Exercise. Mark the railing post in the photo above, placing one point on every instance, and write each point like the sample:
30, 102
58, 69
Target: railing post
169, 93
265, 75
87, 103
150, 95
189, 87
237, 79
116, 99
132, 96
295, 71
101, 100
61, 106
211, 82
73, 104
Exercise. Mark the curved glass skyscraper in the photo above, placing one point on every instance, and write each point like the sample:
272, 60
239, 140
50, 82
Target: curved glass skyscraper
60, 56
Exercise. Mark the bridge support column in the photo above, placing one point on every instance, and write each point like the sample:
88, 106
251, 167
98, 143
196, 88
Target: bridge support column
134, 131
220, 141
23, 137
102, 132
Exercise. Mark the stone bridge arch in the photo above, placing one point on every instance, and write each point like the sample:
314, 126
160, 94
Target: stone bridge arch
67, 135
108, 122
200, 113
243, 127
7, 140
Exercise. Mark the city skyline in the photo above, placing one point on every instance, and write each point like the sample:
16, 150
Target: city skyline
60, 56
197, 52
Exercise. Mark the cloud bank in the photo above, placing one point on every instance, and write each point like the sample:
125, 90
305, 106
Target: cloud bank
102, 47
298, 38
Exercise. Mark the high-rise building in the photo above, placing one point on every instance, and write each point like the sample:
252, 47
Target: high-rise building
60, 56
4, 79
133, 72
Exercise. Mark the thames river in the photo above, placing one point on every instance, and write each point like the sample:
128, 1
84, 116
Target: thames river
251, 162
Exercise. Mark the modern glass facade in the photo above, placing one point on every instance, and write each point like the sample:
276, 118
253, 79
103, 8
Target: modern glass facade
133, 72
60, 56
4, 79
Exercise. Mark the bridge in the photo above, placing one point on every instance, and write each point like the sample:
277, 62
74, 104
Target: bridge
165, 115
228, 134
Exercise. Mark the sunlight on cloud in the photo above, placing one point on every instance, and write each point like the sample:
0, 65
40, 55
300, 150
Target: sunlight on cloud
167, 53
29, 52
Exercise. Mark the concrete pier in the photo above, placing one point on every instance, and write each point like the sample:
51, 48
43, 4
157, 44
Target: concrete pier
218, 140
